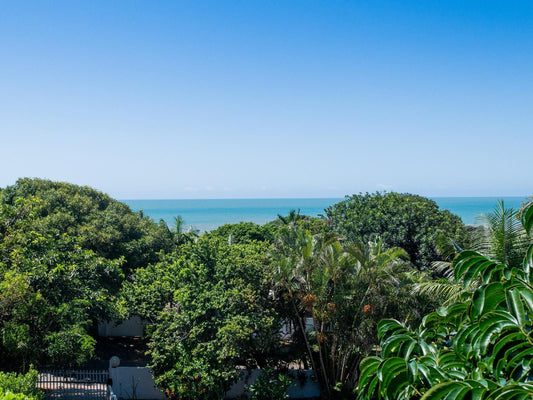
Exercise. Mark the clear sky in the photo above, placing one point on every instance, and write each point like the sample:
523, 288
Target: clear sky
238, 99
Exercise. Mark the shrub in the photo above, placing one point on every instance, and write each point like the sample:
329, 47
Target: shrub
21, 386
270, 385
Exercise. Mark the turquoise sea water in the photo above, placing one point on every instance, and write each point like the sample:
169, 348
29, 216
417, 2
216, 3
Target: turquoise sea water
206, 215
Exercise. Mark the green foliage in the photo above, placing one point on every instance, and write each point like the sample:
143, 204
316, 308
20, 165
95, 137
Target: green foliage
24, 386
479, 347
270, 385
501, 238
51, 291
7, 395
304, 222
507, 240
410, 222
345, 290
244, 232
103, 225
211, 315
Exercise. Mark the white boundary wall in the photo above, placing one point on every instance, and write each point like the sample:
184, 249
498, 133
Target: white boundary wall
134, 383
138, 383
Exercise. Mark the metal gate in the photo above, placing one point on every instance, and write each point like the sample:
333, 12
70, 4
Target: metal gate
74, 384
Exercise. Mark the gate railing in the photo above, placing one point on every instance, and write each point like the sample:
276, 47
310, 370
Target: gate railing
74, 384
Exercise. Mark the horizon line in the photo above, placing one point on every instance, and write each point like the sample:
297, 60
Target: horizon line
311, 198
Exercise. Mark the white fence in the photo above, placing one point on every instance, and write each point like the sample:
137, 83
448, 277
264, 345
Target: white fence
74, 384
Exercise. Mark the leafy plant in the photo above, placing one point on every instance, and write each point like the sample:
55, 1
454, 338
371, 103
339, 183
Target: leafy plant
22, 385
480, 347
51, 289
270, 385
7, 395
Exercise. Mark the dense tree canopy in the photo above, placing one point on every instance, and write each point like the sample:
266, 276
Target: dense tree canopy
106, 226
244, 232
211, 313
214, 302
411, 222
63, 253
51, 291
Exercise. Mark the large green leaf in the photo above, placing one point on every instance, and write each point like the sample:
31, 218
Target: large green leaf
387, 327
464, 261
511, 348
528, 262
393, 374
513, 392
515, 306
498, 320
368, 380
463, 341
486, 299
527, 217
453, 390
527, 296
399, 346
469, 265
505, 343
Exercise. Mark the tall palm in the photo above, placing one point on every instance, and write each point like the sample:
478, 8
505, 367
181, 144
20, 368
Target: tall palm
360, 274
379, 267
297, 269
180, 235
507, 240
291, 218
323, 279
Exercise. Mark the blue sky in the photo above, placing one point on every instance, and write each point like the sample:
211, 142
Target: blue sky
239, 99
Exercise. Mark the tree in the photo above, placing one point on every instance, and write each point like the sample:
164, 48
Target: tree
244, 232
410, 222
213, 315
103, 225
51, 292
20, 386
478, 347
180, 236
344, 290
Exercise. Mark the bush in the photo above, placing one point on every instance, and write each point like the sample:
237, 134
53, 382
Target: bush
13, 396
270, 385
15, 386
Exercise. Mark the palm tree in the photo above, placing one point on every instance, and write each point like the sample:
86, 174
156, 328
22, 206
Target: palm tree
291, 218
379, 267
298, 260
323, 279
181, 236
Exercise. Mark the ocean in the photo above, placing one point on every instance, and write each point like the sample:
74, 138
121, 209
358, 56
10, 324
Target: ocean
206, 215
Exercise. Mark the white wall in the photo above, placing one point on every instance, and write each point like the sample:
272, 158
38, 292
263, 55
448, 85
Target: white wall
138, 383
134, 383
